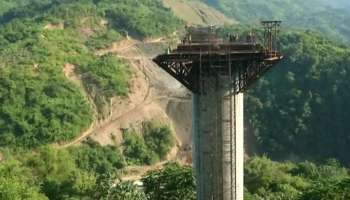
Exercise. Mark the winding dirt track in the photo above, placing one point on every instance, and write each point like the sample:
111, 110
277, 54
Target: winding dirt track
94, 127
137, 60
118, 49
72, 76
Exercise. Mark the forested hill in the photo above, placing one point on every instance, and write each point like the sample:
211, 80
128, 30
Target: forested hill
9, 4
38, 104
299, 111
329, 17
40, 40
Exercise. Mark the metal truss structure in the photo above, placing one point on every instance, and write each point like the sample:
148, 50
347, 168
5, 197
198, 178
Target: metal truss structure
248, 60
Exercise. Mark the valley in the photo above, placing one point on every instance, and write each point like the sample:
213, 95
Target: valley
85, 112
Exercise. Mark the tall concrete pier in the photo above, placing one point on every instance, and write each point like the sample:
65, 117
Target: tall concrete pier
218, 136
218, 70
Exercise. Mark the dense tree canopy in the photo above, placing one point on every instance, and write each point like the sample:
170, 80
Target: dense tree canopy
172, 183
300, 108
270, 180
312, 14
39, 38
16, 182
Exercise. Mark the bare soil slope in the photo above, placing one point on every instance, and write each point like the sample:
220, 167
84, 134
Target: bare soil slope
152, 90
197, 13
154, 95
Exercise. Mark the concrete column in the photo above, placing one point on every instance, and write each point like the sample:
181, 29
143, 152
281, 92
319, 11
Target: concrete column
218, 141
205, 139
240, 146
228, 132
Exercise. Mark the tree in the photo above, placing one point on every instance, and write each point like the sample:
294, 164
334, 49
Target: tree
158, 137
174, 182
17, 183
329, 190
127, 191
110, 189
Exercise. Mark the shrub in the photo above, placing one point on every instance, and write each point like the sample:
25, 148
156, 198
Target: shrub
39, 108
172, 183
104, 40
136, 151
158, 138
98, 159
152, 145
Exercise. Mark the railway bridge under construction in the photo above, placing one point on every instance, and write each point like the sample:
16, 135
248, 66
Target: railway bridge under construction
218, 70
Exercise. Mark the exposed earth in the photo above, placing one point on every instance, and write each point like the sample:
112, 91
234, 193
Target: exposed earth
154, 95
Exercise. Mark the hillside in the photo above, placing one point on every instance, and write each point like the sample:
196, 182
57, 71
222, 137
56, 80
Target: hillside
7, 5
300, 109
45, 42
84, 107
197, 13
71, 75
312, 14
301, 106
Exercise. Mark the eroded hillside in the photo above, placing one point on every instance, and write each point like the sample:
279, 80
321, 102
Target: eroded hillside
83, 105
197, 13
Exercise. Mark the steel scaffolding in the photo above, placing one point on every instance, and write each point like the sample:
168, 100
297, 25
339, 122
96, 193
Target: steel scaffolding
218, 71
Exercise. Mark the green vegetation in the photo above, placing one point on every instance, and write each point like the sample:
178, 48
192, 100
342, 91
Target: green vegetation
269, 180
150, 146
334, 190
39, 105
93, 157
136, 151
141, 18
87, 172
121, 191
312, 14
264, 179
57, 174
103, 40
172, 183
297, 112
7, 5
48, 173
16, 182
158, 138
299, 109
108, 74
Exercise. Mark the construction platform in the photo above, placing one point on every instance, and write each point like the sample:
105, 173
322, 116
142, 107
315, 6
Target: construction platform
203, 49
